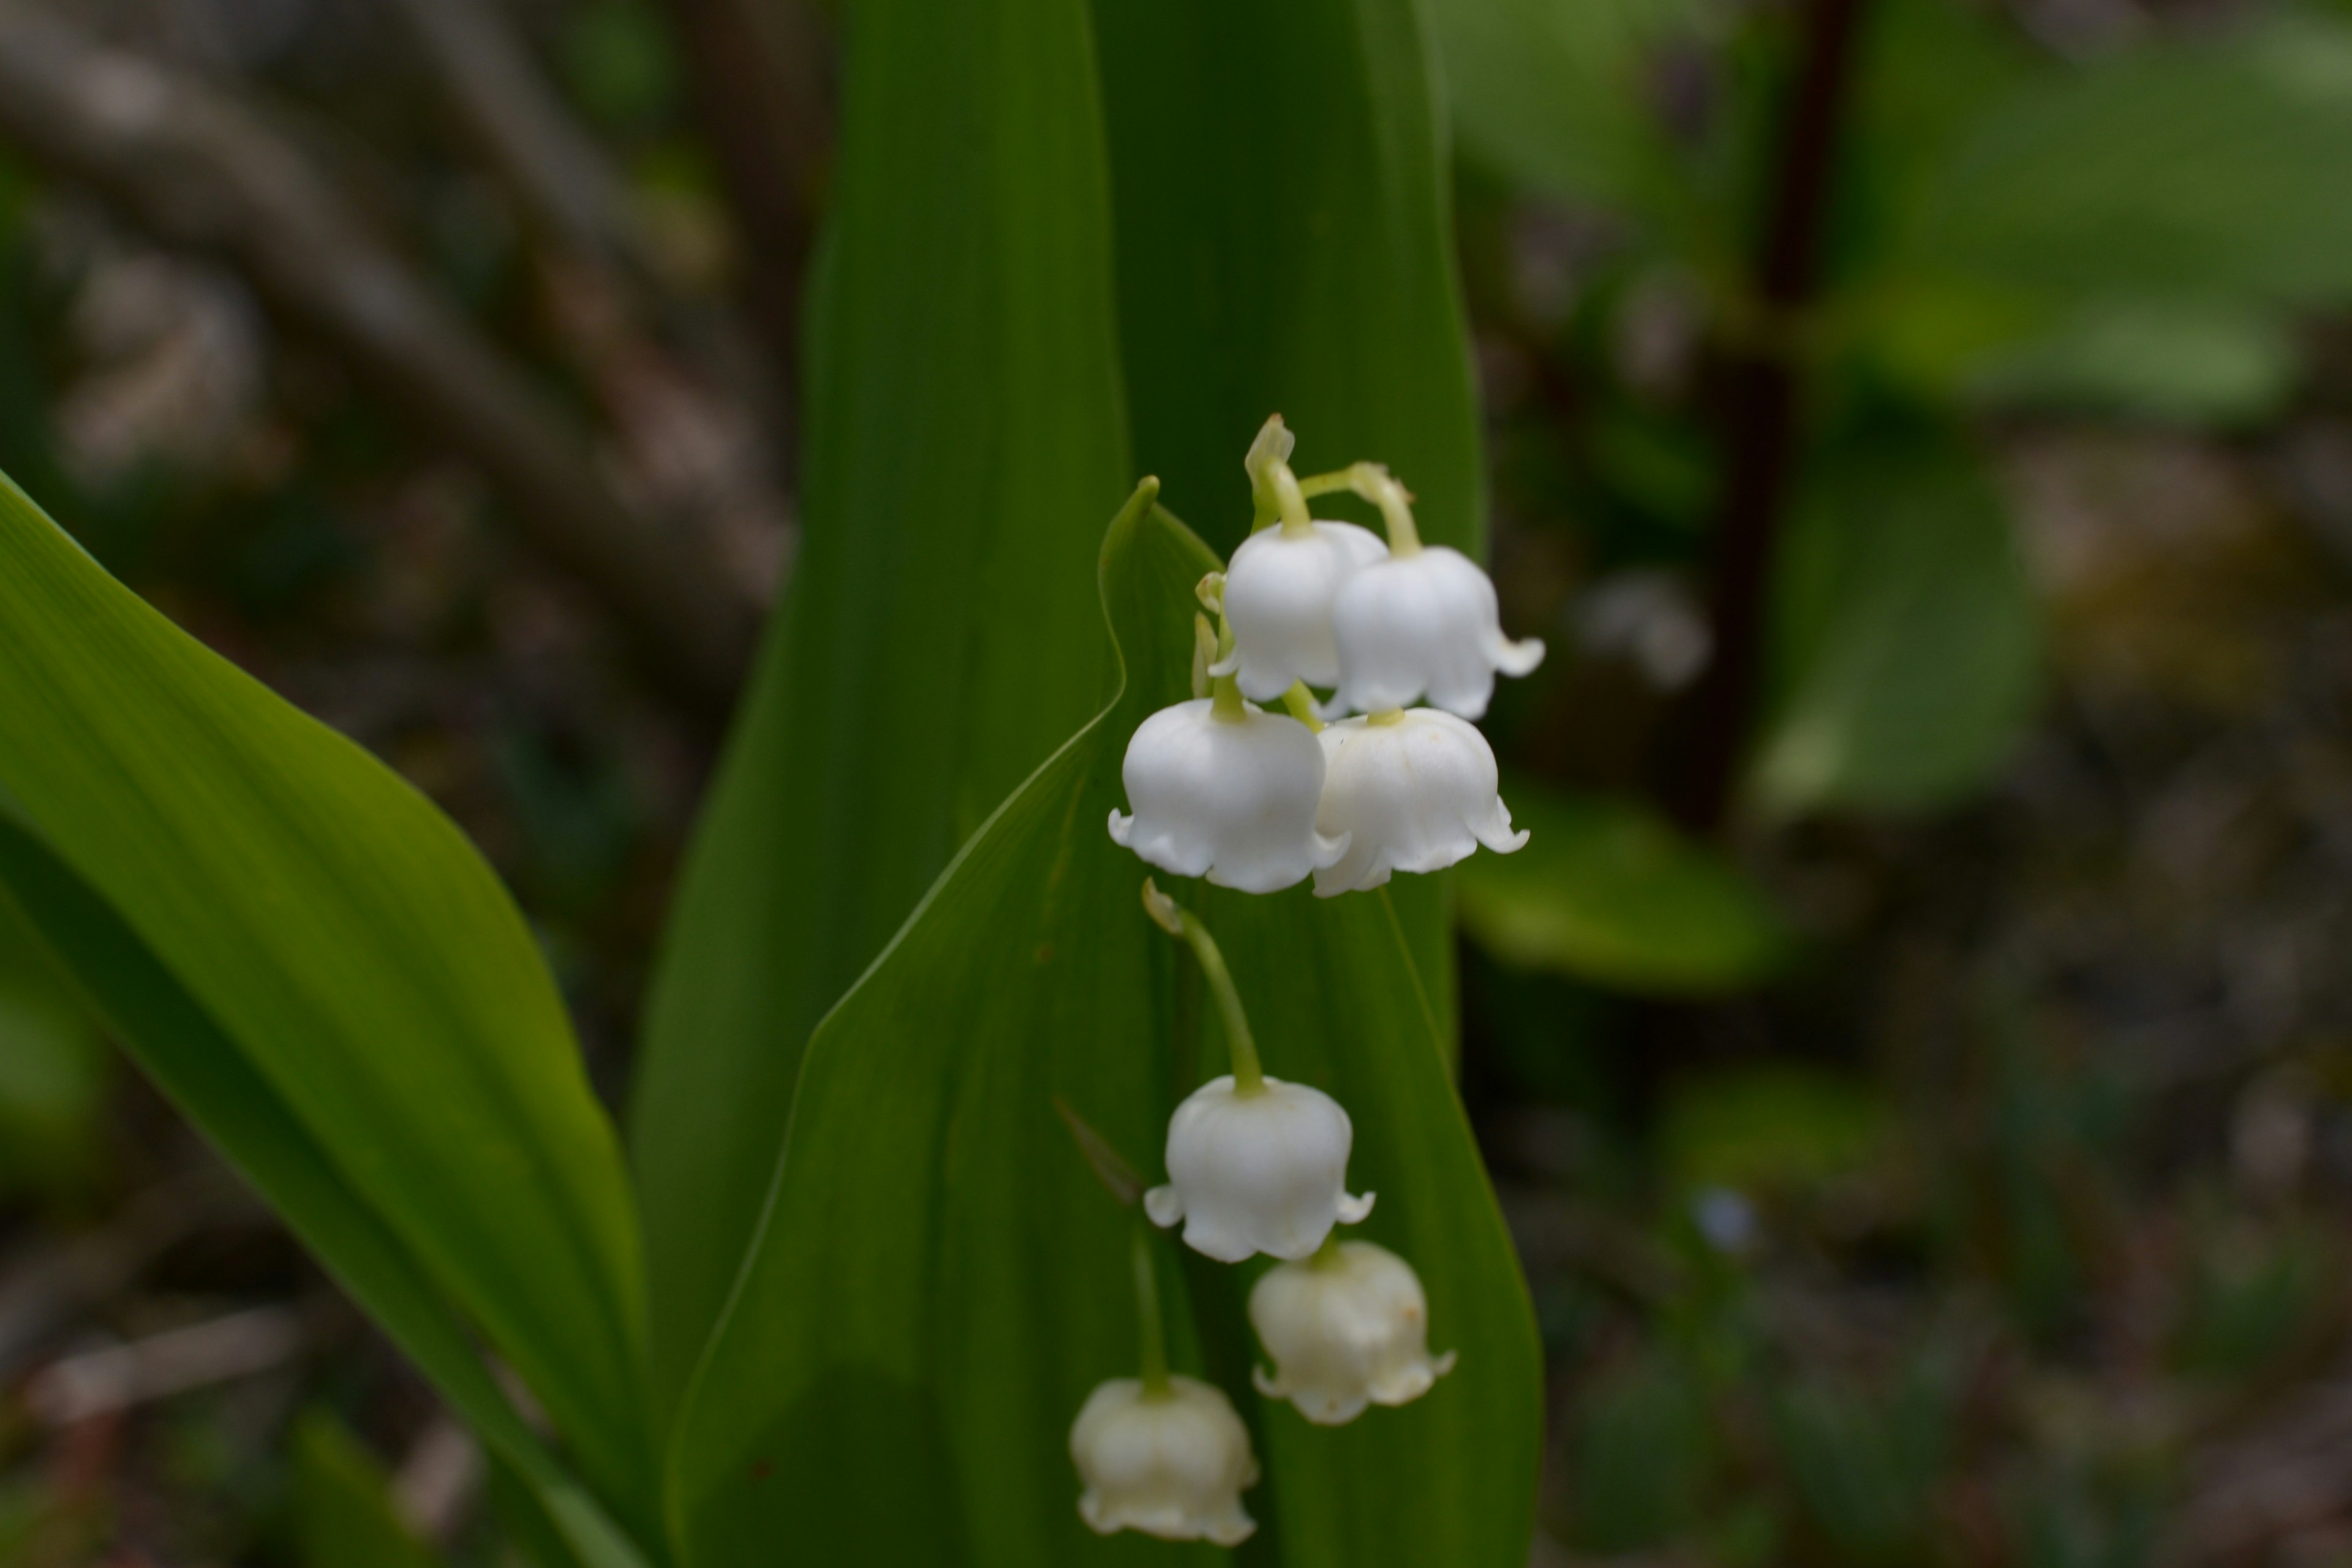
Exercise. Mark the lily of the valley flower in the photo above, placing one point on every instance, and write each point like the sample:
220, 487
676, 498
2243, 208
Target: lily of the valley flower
1347, 1328
1225, 790
1171, 1462
1422, 623
1279, 596
1257, 1170
1408, 791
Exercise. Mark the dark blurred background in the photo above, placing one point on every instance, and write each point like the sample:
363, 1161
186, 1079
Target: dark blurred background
1914, 1052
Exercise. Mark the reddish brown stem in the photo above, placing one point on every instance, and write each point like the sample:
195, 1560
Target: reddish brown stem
1761, 390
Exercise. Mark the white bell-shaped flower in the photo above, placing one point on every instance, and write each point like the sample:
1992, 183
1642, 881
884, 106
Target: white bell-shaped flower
1347, 1328
1423, 623
1261, 1171
1412, 791
1231, 798
1171, 1463
1278, 598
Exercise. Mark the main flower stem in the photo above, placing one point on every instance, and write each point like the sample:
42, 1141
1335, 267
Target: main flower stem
1177, 921
1249, 1076
1151, 1330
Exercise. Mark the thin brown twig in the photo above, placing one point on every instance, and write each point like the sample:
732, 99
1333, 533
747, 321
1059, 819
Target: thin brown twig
198, 170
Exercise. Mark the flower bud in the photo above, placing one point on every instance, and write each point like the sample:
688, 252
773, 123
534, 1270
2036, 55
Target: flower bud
1232, 799
1421, 625
1277, 599
1347, 1328
1411, 792
1259, 1171
1171, 1464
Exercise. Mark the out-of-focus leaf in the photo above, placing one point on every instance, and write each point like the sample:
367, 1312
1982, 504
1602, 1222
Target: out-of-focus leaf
343, 1503
52, 1067
1286, 244
2207, 168
1609, 891
2178, 361
1559, 96
1907, 644
966, 440
322, 970
939, 1278
1767, 1128
1642, 1452
1865, 1467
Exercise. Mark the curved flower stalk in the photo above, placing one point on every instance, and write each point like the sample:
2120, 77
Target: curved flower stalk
1347, 1328
1164, 1453
1413, 790
1255, 1164
1223, 789
1279, 589
1422, 623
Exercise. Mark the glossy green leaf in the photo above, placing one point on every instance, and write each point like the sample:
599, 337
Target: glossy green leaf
343, 1503
1285, 245
939, 1277
316, 962
1908, 644
966, 440
1607, 891
2211, 168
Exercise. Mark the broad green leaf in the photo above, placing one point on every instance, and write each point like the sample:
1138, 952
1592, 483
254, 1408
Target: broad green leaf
1285, 246
202, 1072
343, 1503
52, 1069
966, 440
1559, 96
2201, 168
2179, 362
1908, 645
336, 947
1607, 891
939, 1278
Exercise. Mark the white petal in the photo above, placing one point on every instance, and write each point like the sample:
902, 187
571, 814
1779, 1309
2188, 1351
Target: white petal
1426, 625
1258, 1173
1279, 596
1171, 1465
1414, 793
1346, 1329
1231, 799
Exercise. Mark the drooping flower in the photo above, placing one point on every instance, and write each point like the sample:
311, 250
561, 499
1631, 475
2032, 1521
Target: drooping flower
1279, 593
1347, 1328
1409, 791
1225, 790
1171, 1462
1424, 623
1262, 1170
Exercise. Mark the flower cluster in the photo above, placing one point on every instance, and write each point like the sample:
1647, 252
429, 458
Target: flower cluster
1255, 1165
1259, 801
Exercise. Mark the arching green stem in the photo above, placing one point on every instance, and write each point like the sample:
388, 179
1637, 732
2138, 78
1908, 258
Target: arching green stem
1177, 921
1152, 1331
1378, 485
